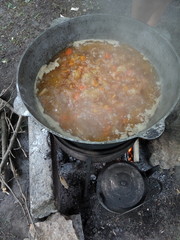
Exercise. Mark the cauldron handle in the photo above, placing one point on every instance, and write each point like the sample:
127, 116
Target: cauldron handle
155, 131
150, 171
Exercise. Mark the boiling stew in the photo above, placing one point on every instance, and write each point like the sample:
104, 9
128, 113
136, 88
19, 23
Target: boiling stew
99, 90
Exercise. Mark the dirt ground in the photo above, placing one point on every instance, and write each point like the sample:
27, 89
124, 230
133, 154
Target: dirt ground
21, 21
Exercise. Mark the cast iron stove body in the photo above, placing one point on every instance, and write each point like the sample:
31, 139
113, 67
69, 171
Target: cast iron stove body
106, 178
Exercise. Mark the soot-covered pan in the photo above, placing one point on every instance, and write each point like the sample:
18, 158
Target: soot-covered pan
140, 36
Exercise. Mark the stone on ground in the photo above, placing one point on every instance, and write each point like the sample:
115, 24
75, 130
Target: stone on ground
56, 227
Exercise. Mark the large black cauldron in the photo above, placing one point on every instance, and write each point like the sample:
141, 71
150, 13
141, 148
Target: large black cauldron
140, 36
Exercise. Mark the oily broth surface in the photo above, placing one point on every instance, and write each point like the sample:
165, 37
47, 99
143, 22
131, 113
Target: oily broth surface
99, 90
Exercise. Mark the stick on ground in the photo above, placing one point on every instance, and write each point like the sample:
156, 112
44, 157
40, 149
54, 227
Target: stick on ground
12, 140
4, 144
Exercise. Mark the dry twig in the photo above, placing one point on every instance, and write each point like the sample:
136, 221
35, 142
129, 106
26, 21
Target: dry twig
12, 140
20, 189
20, 147
24, 204
4, 104
6, 127
11, 128
6, 89
4, 133
14, 195
4, 144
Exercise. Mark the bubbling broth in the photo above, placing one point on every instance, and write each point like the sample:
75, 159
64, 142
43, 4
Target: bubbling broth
99, 90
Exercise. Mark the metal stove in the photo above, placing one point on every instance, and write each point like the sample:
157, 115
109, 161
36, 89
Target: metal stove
119, 184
